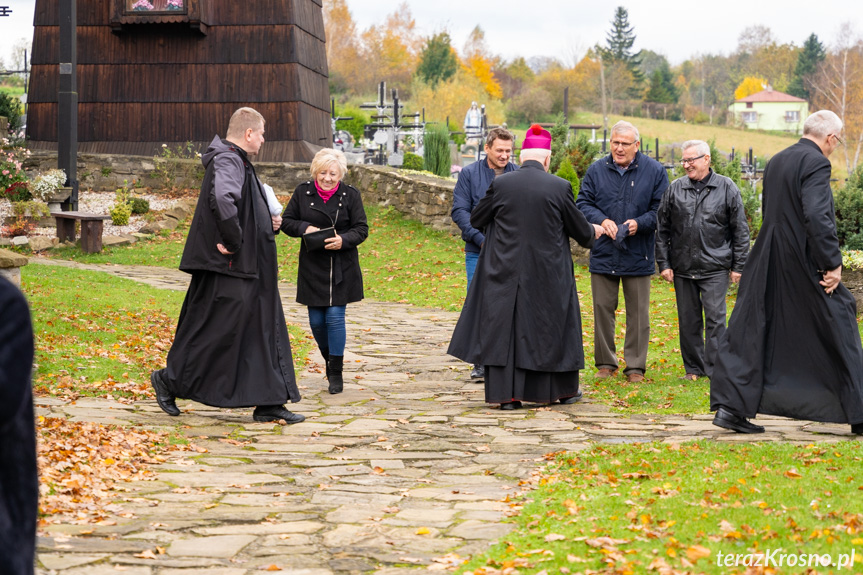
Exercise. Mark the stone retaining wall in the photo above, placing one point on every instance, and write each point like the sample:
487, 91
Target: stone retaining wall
423, 198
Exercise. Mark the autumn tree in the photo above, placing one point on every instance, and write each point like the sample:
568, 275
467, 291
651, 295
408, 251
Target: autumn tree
838, 86
749, 86
438, 60
479, 63
390, 51
809, 59
342, 45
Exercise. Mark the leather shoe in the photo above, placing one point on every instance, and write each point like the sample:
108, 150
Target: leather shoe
478, 372
572, 399
510, 406
728, 420
604, 373
166, 401
276, 413
635, 377
857, 428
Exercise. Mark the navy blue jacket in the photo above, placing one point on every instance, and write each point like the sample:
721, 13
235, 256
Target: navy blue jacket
473, 182
635, 194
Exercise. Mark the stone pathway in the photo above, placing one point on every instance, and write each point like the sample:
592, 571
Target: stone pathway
406, 466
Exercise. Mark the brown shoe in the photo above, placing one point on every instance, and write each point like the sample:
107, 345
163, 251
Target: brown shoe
635, 378
605, 373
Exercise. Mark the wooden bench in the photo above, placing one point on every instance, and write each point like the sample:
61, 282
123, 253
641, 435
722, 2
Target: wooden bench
91, 229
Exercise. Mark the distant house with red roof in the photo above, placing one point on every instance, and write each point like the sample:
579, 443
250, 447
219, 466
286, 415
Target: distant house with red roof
771, 110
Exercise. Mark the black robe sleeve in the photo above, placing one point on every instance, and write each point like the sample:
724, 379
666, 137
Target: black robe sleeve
576, 225
819, 218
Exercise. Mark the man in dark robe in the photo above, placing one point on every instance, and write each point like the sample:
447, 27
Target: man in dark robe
521, 319
19, 483
792, 347
232, 348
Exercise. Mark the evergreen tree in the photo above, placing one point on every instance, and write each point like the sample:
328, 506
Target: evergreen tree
662, 89
808, 59
558, 132
438, 62
619, 42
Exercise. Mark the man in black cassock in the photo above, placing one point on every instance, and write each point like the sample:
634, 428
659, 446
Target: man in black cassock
792, 347
521, 319
232, 348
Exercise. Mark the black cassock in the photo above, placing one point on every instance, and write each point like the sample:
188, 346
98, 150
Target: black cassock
521, 318
791, 349
231, 348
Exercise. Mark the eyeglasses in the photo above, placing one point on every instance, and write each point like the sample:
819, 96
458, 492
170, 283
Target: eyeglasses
838, 139
619, 144
685, 161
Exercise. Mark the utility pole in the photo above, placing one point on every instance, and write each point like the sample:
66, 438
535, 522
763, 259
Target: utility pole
67, 101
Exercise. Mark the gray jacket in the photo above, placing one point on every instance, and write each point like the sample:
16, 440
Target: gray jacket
702, 234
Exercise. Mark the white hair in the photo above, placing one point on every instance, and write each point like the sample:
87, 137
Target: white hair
538, 154
701, 147
821, 124
624, 126
327, 156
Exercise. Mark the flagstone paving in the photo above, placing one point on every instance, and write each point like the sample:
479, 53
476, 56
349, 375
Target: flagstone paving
406, 466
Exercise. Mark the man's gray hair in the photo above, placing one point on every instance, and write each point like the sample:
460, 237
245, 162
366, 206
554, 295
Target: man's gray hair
821, 124
624, 126
701, 147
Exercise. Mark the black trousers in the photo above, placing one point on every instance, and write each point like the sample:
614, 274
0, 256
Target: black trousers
701, 315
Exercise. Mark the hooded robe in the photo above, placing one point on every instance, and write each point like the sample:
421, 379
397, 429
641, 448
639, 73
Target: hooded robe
231, 348
790, 348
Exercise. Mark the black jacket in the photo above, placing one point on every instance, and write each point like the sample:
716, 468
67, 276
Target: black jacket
225, 214
328, 277
524, 287
19, 486
702, 234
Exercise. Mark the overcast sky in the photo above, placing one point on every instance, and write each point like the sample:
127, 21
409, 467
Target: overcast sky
564, 28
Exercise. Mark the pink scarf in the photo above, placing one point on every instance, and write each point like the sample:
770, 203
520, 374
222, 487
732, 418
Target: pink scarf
327, 194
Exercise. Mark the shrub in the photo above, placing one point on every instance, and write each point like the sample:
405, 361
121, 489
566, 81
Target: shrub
139, 205
412, 162
567, 172
10, 108
120, 214
849, 211
355, 126
18, 192
558, 142
582, 153
12, 172
170, 165
436, 156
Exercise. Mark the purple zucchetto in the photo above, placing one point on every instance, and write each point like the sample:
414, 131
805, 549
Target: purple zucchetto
537, 138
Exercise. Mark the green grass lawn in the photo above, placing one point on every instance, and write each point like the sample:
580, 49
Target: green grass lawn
668, 508
99, 335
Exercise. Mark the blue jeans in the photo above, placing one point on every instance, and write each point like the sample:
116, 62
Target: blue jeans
328, 327
470, 265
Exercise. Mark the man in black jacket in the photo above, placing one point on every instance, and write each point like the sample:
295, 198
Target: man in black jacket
701, 236
232, 348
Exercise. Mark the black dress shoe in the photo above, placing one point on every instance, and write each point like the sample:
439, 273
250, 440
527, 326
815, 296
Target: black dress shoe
478, 372
164, 398
857, 428
572, 399
728, 420
276, 413
510, 406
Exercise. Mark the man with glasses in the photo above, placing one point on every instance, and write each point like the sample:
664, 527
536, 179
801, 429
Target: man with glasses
792, 347
701, 236
621, 192
473, 182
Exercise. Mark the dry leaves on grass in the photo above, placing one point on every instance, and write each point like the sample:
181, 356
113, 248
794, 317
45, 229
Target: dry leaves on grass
82, 466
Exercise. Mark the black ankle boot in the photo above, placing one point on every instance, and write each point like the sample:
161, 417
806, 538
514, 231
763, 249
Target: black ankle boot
335, 376
325, 352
